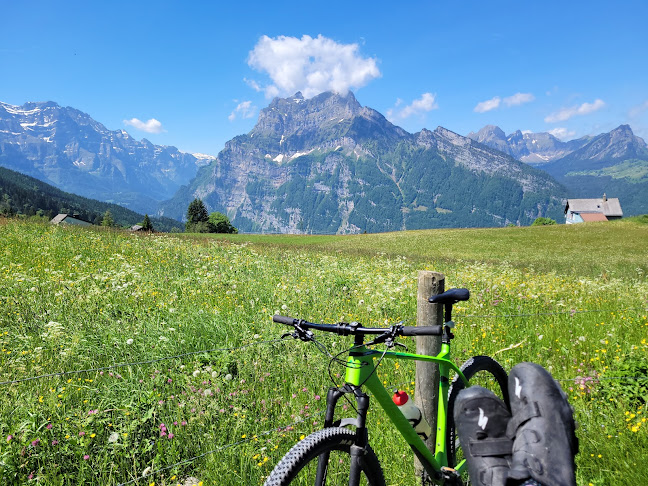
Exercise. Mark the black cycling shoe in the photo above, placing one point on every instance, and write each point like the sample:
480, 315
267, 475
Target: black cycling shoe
542, 427
481, 419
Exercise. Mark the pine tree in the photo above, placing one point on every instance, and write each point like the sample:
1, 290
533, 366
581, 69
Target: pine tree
108, 219
198, 218
146, 224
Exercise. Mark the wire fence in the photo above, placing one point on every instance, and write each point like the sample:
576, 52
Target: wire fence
138, 363
252, 436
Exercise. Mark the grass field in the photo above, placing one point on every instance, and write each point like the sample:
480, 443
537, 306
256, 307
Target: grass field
73, 299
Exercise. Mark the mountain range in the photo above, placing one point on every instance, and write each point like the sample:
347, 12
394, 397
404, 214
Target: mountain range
329, 165
65, 147
533, 148
615, 163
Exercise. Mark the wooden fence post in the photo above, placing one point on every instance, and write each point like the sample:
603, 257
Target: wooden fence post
427, 374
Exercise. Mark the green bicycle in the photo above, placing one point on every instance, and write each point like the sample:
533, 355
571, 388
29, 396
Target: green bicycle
338, 455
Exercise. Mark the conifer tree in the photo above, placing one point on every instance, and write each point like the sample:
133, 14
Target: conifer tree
108, 219
198, 218
146, 224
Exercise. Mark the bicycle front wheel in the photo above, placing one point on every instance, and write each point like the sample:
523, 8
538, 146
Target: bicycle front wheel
479, 370
324, 458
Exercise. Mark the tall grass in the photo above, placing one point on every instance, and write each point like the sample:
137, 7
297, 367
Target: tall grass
74, 299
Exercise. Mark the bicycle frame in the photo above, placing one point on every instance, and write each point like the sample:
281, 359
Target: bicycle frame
360, 371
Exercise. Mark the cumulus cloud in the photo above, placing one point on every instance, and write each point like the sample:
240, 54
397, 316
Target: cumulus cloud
567, 113
427, 102
150, 126
310, 65
488, 105
518, 99
562, 133
245, 109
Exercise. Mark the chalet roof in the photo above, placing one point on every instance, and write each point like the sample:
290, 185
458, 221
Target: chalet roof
593, 217
136, 227
61, 217
609, 206
58, 218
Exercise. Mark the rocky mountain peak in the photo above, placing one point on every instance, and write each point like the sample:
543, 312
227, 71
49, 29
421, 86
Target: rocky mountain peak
620, 143
517, 136
624, 134
488, 133
285, 116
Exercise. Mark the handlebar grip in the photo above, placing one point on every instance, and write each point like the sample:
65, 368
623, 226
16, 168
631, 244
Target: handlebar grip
289, 321
422, 331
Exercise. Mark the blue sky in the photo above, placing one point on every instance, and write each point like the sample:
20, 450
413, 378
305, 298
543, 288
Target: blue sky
196, 74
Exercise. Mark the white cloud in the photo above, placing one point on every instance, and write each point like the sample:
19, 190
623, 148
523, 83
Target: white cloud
562, 133
638, 110
245, 109
310, 65
518, 99
567, 113
150, 126
253, 84
494, 103
487, 105
427, 102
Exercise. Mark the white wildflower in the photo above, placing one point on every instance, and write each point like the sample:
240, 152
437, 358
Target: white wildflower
113, 437
129, 341
196, 373
228, 377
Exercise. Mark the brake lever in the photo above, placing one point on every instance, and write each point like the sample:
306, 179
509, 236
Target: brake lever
300, 333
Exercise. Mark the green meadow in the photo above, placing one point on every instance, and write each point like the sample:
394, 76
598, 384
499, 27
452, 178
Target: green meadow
165, 367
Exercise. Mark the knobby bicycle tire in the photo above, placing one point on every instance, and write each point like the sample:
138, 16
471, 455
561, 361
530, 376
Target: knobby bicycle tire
299, 465
470, 368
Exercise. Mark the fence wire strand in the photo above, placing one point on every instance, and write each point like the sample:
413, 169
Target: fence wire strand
537, 314
137, 363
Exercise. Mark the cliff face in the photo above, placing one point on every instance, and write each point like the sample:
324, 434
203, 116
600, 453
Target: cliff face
327, 164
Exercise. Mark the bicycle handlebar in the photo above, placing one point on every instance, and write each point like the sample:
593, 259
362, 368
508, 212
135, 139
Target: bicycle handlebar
345, 328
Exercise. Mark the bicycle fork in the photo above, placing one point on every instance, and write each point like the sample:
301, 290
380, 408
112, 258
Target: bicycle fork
358, 448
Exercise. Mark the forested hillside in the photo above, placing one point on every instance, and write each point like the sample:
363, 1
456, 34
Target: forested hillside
21, 194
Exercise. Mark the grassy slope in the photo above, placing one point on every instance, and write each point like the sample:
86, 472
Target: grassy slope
70, 298
593, 249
